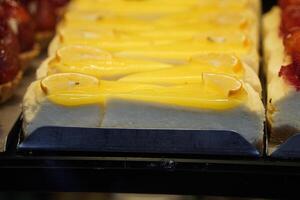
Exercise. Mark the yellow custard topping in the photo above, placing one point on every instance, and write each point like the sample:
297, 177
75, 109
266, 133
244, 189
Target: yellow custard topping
119, 39
193, 20
216, 91
184, 50
167, 48
191, 72
179, 36
108, 23
98, 63
118, 49
158, 7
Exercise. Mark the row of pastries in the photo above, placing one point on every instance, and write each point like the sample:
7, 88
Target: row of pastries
155, 64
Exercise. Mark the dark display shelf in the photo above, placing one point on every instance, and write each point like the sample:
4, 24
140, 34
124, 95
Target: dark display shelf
146, 173
210, 176
156, 173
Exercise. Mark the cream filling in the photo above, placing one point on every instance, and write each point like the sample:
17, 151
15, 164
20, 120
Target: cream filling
38, 112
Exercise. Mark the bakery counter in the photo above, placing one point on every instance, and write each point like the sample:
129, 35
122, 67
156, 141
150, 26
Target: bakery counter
154, 173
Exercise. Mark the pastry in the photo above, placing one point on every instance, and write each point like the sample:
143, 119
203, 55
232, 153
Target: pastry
151, 64
216, 102
281, 46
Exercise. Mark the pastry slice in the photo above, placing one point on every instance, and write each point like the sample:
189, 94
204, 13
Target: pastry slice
281, 57
217, 103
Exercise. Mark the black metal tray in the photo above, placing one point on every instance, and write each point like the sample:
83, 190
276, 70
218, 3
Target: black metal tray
202, 176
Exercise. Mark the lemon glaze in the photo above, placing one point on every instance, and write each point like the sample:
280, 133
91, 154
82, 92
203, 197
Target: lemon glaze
197, 32
217, 92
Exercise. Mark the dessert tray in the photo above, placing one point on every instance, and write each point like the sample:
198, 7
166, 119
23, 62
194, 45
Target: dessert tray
149, 161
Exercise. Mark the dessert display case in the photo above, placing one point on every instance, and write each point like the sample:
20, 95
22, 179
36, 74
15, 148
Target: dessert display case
149, 161
143, 79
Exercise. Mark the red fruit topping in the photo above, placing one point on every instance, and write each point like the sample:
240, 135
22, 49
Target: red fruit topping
290, 29
44, 12
9, 52
292, 42
289, 74
30, 5
290, 19
24, 26
284, 3
59, 3
45, 16
296, 62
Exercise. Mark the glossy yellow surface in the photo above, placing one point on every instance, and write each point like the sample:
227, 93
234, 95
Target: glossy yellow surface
161, 7
185, 43
216, 91
191, 72
98, 63
120, 49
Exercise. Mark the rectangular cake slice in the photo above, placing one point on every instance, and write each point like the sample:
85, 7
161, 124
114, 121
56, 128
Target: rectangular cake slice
152, 64
216, 103
280, 54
